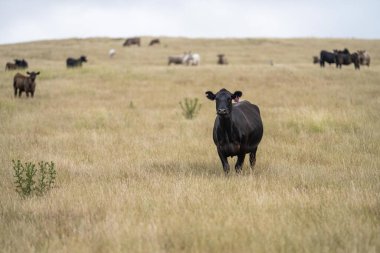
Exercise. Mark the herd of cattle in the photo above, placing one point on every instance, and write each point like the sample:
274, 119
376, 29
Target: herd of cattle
343, 57
22, 83
238, 128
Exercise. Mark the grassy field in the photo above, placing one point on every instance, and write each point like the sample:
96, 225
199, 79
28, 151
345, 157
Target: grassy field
135, 176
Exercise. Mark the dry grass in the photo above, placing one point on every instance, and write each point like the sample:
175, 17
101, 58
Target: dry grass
144, 179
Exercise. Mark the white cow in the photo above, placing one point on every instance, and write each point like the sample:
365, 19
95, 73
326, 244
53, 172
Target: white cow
112, 53
192, 59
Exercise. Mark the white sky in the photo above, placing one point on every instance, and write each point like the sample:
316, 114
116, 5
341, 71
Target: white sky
22, 20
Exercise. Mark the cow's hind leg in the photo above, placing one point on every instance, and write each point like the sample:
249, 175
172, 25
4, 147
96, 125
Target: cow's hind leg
239, 163
19, 92
223, 159
252, 158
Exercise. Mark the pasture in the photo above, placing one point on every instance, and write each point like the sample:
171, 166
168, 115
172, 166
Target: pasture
133, 175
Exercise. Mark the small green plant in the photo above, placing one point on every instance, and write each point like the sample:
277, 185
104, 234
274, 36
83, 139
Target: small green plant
25, 182
131, 105
190, 107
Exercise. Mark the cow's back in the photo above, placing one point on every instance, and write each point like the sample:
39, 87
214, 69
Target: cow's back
20, 81
19, 77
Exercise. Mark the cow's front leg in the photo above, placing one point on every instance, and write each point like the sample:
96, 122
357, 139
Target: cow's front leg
239, 163
223, 159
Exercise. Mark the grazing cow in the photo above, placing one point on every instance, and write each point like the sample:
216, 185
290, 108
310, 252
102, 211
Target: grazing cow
328, 57
238, 128
132, 41
364, 58
222, 60
25, 83
111, 53
315, 59
154, 41
192, 59
10, 66
176, 59
21, 64
73, 63
346, 58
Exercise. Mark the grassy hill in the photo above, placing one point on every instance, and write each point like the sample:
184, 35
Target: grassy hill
133, 175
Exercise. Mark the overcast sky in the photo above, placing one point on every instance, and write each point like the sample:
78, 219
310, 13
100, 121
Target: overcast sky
31, 20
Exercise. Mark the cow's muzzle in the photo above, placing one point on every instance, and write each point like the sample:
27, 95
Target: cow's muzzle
222, 112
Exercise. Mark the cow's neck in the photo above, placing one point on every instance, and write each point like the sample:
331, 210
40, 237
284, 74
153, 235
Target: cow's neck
227, 129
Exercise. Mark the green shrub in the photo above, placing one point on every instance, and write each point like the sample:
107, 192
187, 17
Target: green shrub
26, 184
190, 107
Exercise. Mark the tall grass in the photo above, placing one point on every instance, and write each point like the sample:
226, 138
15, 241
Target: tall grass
145, 179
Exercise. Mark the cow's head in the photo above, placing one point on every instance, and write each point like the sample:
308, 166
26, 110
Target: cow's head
224, 100
83, 58
33, 75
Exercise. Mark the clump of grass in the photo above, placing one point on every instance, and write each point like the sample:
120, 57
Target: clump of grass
190, 107
25, 174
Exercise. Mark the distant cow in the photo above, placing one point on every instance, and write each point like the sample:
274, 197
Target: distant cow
132, 41
346, 58
328, 57
21, 64
111, 53
364, 58
73, 63
10, 66
154, 41
23, 83
222, 60
238, 128
192, 59
315, 59
175, 60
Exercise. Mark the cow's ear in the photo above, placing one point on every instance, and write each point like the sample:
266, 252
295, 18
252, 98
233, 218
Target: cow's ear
210, 95
28, 72
38, 73
237, 94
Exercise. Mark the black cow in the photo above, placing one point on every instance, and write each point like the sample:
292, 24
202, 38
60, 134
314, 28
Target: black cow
328, 57
154, 41
132, 41
21, 64
73, 63
346, 58
238, 128
175, 60
25, 83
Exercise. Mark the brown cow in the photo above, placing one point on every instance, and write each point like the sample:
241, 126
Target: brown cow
10, 66
154, 41
222, 60
25, 83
